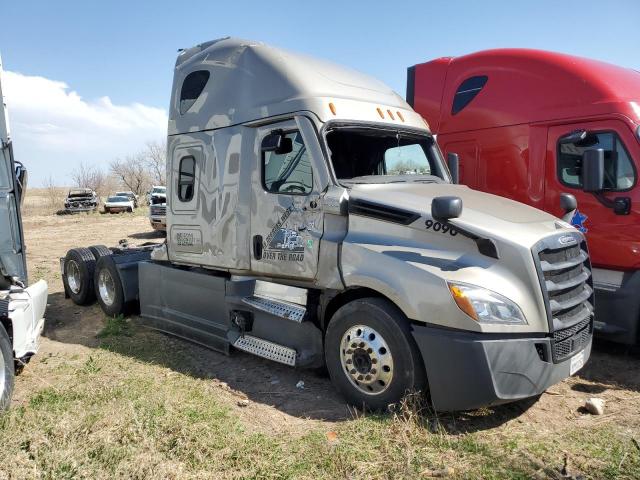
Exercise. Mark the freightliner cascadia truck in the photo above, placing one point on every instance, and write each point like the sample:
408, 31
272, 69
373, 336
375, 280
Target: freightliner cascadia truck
21, 307
530, 125
311, 220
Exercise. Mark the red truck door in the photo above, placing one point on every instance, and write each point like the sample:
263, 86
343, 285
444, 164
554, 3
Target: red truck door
612, 236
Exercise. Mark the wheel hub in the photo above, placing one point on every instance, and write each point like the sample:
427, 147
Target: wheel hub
366, 359
106, 287
73, 276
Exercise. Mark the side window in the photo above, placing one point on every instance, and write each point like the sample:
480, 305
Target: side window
289, 172
618, 169
467, 91
192, 87
186, 178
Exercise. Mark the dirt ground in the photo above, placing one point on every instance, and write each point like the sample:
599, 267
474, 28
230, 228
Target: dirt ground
264, 395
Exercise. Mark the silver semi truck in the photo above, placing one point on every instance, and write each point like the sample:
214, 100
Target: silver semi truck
21, 307
312, 220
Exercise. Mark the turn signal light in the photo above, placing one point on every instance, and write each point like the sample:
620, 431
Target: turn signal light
332, 107
400, 116
463, 301
380, 112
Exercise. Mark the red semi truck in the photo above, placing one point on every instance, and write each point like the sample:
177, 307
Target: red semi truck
530, 125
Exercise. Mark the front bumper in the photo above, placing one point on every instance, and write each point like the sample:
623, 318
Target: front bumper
470, 370
158, 223
81, 208
26, 313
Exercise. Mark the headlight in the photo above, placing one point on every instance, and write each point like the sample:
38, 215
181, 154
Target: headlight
485, 306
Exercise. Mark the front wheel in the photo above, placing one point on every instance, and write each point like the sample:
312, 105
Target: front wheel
371, 357
7, 369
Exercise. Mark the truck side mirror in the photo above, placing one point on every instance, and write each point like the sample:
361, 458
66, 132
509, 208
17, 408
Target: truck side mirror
445, 208
568, 204
21, 181
277, 142
593, 170
454, 167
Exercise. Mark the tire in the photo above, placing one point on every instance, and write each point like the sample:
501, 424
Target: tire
7, 369
129, 210
79, 265
108, 287
99, 251
384, 339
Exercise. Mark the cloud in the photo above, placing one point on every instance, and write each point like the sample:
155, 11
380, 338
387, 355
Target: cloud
54, 129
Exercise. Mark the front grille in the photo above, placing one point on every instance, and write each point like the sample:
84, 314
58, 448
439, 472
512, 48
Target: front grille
158, 210
565, 276
572, 339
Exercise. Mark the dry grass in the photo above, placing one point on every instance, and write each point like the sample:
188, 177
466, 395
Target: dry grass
106, 398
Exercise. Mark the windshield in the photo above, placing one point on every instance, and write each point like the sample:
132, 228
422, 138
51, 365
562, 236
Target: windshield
159, 190
373, 155
117, 199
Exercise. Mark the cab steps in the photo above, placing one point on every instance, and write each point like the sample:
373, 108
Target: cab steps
279, 308
266, 349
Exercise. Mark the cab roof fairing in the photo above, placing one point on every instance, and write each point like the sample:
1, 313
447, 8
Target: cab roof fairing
524, 86
251, 81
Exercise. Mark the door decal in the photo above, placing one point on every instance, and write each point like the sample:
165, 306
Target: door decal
578, 220
283, 242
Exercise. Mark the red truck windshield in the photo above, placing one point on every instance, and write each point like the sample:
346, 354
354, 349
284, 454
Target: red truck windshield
373, 155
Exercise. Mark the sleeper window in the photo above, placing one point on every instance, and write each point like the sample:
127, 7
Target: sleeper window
192, 87
467, 91
618, 169
186, 179
289, 172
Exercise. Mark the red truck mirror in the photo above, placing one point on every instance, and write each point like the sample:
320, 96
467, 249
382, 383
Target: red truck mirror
593, 170
454, 167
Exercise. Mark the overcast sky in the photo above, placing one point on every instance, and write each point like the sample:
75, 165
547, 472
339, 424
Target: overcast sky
90, 81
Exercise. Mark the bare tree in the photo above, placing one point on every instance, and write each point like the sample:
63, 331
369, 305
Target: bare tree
54, 194
156, 158
132, 172
90, 176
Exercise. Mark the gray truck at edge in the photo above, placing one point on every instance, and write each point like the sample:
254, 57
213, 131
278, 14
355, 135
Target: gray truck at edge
312, 220
22, 307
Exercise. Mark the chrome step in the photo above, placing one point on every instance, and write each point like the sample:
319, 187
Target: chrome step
266, 349
279, 308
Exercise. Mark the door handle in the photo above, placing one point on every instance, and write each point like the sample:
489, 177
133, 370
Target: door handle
257, 247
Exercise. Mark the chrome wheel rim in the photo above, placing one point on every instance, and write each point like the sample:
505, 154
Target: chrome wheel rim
106, 287
366, 359
73, 276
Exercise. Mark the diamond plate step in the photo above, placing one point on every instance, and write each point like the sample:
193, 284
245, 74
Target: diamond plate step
266, 349
279, 308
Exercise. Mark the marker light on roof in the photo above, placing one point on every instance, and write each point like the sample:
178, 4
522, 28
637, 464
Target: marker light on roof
380, 112
400, 116
332, 107
390, 114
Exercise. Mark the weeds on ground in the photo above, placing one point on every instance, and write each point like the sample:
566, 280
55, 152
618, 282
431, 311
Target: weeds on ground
120, 412
116, 326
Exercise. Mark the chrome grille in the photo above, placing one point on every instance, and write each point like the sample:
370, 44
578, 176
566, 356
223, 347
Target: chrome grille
158, 210
565, 276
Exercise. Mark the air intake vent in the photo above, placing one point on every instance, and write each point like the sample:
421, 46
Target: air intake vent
382, 212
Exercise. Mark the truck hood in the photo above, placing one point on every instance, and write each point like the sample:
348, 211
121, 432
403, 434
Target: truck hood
482, 213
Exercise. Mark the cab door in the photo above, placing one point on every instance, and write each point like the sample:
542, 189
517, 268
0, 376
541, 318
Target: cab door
286, 218
612, 233
12, 258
